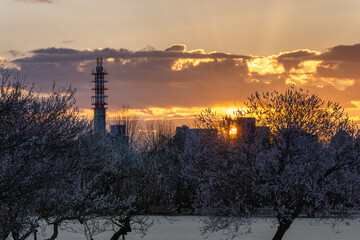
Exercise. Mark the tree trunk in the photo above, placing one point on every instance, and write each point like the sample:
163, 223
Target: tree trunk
283, 227
56, 231
15, 235
116, 235
123, 230
27, 234
4, 234
286, 223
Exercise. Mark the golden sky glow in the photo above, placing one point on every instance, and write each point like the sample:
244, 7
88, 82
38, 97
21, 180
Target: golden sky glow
177, 83
259, 27
171, 59
183, 113
155, 113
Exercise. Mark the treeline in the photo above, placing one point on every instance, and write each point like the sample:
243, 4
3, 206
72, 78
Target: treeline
55, 169
303, 160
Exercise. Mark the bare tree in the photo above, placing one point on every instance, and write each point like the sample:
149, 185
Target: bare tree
55, 168
34, 131
157, 135
150, 174
304, 169
85, 194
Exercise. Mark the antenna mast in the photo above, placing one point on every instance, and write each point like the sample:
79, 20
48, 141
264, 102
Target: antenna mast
99, 100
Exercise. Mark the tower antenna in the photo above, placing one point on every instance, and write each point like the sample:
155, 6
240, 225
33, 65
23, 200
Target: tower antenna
99, 100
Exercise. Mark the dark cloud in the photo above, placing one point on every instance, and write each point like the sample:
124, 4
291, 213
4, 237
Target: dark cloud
342, 62
177, 77
340, 70
141, 78
67, 54
341, 53
176, 48
16, 53
292, 59
55, 51
347, 53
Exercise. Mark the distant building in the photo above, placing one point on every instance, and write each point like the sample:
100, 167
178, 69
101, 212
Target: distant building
118, 134
248, 131
243, 129
187, 137
118, 130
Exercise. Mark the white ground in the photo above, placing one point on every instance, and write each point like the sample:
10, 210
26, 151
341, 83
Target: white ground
187, 229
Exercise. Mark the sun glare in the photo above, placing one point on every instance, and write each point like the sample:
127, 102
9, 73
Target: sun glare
233, 131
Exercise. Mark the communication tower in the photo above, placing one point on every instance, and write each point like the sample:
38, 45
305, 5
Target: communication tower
99, 99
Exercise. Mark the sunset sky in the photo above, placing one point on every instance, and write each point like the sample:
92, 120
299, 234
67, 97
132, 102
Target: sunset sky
172, 58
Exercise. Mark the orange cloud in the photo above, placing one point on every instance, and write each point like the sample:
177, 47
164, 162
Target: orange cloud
192, 78
300, 67
110, 60
186, 63
264, 66
80, 67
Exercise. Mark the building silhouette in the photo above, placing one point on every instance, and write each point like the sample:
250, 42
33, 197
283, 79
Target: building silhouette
186, 137
118, 134
242, 129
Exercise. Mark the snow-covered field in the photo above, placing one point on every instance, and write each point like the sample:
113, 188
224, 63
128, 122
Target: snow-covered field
186, 228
